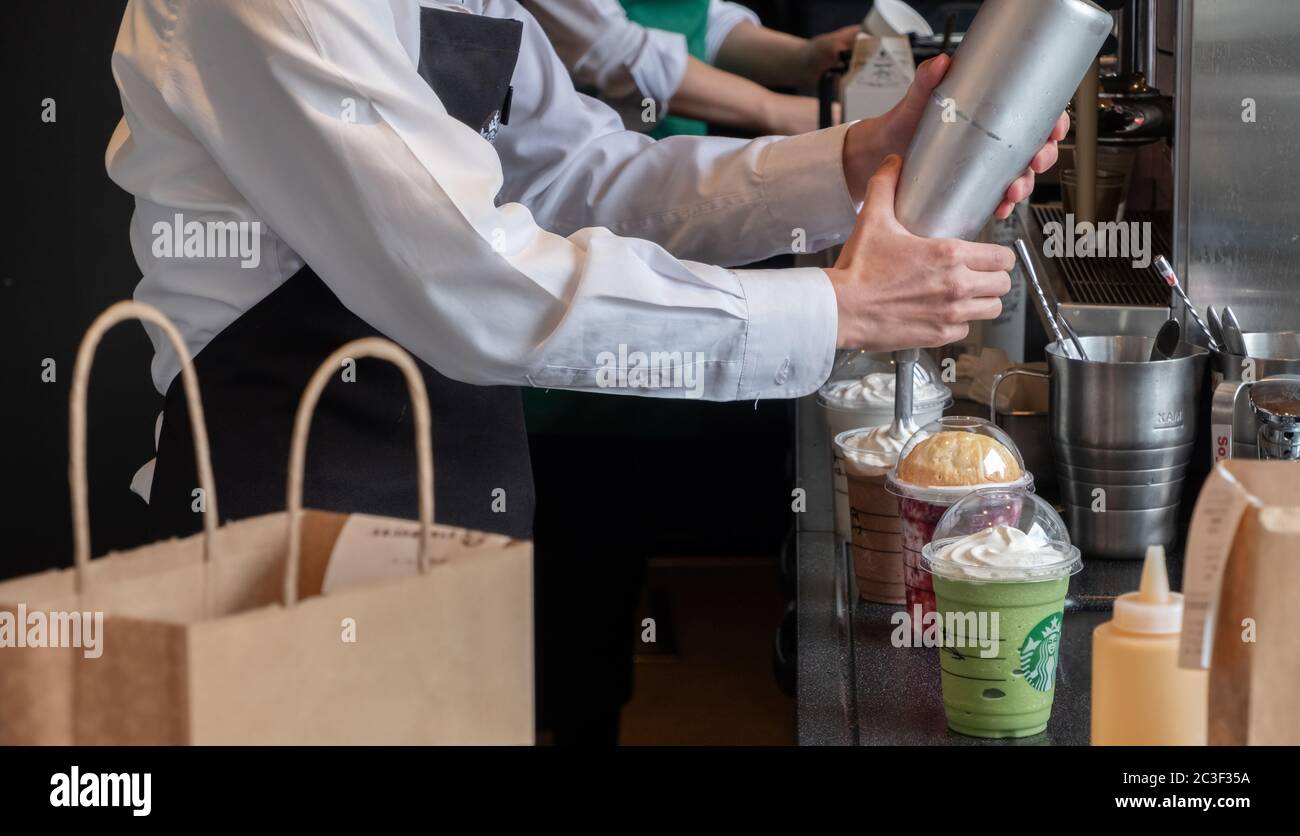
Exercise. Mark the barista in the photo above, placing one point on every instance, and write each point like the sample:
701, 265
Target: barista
425, 171
670, 67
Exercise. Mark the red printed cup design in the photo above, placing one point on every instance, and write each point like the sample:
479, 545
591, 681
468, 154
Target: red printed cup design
919, 519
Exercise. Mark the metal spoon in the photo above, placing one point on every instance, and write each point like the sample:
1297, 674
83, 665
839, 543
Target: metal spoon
1167, 340
1232, 334
1166, 271
1216, 324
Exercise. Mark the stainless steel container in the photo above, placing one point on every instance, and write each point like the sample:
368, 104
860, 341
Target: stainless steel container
1123, 497
1010, 80
1029, 430
1123, 477
1115, 533
1026, 420
1273, 353
1123, 461
1276, 404
1123, 429
1234, 426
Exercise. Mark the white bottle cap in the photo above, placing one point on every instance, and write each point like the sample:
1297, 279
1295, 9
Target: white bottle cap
1153, 608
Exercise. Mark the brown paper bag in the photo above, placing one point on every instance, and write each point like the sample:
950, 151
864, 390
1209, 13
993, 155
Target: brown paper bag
1242, 584
226, 637
37, 683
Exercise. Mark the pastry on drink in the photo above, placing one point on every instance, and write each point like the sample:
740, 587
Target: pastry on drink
944, 462
950, 459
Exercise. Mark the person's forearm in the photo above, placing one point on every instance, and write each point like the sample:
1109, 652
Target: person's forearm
763, 55
723, 98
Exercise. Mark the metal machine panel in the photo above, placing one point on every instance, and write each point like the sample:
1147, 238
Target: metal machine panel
1237, 214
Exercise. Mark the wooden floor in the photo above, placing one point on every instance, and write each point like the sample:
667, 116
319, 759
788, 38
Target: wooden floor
713, 684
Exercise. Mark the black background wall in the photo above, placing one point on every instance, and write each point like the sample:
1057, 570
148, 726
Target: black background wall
66, 258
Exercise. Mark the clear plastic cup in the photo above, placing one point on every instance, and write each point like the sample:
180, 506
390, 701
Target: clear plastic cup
876, 539
860, 395
1002, 683
929, 480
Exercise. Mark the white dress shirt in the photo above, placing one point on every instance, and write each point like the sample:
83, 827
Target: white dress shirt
516, 264
625, 62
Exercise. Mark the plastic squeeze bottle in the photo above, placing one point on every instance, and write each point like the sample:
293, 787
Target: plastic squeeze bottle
1139, 694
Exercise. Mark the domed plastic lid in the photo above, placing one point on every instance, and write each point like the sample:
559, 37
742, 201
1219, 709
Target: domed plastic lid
1001, 535
955, 455
865, 380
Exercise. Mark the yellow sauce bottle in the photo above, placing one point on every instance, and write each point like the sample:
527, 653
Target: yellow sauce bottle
1140, 697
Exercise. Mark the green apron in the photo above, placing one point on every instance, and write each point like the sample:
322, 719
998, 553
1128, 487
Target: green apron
685, 17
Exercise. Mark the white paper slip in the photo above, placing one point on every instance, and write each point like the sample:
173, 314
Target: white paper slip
879, 75
1219, 509
371, 549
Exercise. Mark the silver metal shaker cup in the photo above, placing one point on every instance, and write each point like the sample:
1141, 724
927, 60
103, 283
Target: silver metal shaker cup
1010, 80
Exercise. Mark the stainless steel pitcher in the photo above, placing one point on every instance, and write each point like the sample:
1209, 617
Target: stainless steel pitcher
1011, 78
1123, 431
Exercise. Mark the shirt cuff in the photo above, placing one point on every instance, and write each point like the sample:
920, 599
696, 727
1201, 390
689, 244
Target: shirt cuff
805, 189
661, 68
793, 324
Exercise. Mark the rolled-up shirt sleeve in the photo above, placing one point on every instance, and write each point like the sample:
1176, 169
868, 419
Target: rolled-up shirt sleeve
395, 209
723, 17
611, 56
712, 199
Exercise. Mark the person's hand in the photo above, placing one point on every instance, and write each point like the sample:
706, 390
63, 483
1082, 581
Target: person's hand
821, 53
895, 290
871, 140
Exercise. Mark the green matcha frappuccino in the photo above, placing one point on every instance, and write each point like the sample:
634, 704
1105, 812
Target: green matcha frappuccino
1000, 592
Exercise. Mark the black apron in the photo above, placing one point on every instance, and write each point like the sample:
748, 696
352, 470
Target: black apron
361, 455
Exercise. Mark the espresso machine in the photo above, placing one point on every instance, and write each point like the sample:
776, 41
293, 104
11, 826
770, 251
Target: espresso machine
1255, 407
1236, 214
1200, 92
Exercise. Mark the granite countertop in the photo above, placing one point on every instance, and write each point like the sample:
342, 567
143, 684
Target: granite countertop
855, 688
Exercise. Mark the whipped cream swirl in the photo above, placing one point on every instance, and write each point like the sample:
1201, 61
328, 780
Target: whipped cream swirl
874, 452
877, 389
1001, 552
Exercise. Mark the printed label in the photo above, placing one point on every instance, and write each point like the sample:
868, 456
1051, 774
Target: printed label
372, 549
1221, 438
1218, 512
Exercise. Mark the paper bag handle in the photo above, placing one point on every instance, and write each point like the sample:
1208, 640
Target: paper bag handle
383, 350
116, 314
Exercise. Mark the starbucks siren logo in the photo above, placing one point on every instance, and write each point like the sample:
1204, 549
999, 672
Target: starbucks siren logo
1039, 651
